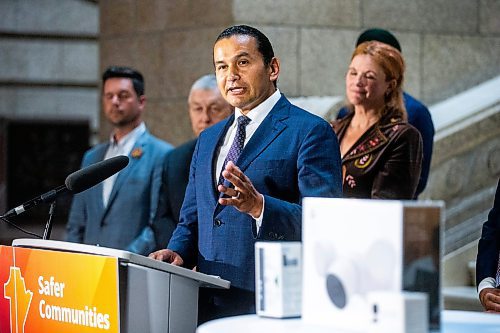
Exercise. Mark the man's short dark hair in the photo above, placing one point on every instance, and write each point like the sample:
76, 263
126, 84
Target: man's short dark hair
125, 72
263, 44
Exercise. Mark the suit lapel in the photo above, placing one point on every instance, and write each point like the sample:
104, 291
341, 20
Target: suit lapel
123, 175
269, 129
210, 166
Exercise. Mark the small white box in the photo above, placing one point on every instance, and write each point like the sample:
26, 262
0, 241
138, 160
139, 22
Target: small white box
398, 312
278, 279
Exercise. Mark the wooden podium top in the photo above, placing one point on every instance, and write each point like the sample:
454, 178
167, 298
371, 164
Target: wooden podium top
124, 256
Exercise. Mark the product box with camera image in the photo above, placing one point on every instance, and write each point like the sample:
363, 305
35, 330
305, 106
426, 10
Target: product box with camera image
354, 249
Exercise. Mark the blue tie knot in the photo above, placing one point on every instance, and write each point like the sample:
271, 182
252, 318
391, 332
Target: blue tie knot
243, 120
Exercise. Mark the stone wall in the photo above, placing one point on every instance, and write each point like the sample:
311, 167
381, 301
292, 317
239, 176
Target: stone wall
449, 45
49, 70
49, 60
170, 42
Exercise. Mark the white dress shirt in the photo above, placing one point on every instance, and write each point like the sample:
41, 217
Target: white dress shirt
488, 282
256, 115
121, 147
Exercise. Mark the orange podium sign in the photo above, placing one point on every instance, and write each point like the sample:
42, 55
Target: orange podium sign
51, 291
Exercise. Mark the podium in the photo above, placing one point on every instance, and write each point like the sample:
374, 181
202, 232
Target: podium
54, 286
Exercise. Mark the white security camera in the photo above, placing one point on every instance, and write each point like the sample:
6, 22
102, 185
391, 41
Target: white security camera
357, 273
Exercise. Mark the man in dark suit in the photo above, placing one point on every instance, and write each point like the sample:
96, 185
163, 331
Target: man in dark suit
126, 210
487, 279
271, 154
418, 114
206, 108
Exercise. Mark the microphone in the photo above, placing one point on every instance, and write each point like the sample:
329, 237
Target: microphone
76, 182
92, 175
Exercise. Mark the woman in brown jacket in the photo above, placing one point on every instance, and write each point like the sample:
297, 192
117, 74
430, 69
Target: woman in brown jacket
381, 152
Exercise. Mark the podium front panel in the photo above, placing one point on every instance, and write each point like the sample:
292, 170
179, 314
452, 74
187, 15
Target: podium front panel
141, 294
51, 291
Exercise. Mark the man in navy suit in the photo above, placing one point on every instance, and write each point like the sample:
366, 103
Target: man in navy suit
287, 154
127, 210
418, 114
487, 259
206, 108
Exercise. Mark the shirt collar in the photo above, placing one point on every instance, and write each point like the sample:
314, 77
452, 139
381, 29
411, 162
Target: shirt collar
130, 137
261, 111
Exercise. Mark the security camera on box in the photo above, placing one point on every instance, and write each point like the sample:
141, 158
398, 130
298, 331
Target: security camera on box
355, 250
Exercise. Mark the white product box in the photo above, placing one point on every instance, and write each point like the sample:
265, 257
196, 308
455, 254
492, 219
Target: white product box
354, 247
278, 279
398, 312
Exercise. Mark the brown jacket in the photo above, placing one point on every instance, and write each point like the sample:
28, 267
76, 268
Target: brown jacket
384, 163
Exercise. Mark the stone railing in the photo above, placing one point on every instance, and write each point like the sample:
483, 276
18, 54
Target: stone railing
464, 173
466, 160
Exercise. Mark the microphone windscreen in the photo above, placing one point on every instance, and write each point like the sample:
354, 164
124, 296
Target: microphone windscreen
92, 175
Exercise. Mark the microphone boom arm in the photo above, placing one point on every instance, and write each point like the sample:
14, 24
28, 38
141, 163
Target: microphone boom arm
46, 197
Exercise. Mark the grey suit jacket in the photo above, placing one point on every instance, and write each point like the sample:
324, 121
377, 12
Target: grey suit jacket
134, 219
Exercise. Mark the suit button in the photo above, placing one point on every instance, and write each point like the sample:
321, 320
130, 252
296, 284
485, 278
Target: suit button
217, 223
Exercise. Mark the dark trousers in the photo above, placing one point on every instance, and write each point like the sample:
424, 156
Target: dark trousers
217, 303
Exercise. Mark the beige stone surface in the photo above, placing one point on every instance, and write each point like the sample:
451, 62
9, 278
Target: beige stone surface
452, 64
444, 16
117, 17
186, 55
324, 57
19, 60
158, 15
338, 13
49, 16
118, 51
151, 61
50, 103
412, 51
285, 42
455, 270
171, 41
49, 60
79, 61
169, 121
489, 17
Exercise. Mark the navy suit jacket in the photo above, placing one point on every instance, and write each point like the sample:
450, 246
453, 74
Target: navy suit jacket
420, 118
293, 154
134, 218
489, 243
176, 179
